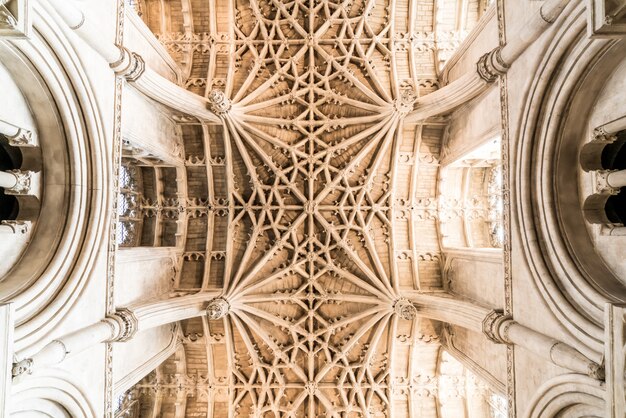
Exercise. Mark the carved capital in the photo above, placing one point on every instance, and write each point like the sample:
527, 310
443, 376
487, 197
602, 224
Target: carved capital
219, 102
23, 183
405, 309
130, 65
602, 182
23, 138
15, 227
491, 326
217, 308
491, 65
124, 325
601, 135
596, 371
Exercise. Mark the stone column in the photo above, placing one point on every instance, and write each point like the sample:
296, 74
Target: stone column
119, 327
502, 329
131, 65
8, 180
488, 68
16, 182
618, 231
616, 179
17, 137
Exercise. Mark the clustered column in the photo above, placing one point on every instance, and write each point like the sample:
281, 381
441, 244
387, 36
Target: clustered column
14, 181
605, 157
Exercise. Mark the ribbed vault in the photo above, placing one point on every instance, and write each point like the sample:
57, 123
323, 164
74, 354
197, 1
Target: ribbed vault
312, 205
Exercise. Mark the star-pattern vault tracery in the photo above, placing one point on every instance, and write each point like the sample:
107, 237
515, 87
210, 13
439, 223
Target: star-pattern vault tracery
319, 201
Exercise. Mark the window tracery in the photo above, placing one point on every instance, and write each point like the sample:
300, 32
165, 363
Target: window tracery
128, 207
127, 405
498, 405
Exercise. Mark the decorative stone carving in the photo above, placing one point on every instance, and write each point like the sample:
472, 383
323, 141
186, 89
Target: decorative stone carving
311, 388
404, 103
23, 138
219, 102
603, 185
596, 371
23, 183
217, 308
130, 65
405, 309
491, 65
22, 367
15, 227
125, 325
491, 326
601, 135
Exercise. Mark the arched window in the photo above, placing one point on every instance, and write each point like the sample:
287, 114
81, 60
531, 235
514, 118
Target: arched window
499, 407
471, 207
128, 206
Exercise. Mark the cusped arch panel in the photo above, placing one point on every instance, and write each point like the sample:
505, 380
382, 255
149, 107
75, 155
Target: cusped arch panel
568, 396
49, 394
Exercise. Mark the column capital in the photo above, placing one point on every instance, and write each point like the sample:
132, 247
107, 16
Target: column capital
603, 184
23, 138
124, 325
15, 227
24, 183
130, 65
492, 326
600, 134
491, 65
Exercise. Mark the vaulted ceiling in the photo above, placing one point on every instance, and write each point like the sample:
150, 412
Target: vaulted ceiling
313, 204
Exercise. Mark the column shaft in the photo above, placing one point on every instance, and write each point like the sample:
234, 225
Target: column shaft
502, 329
8, 130
8, 180
61, 348
616, 179
533, 28
119, 327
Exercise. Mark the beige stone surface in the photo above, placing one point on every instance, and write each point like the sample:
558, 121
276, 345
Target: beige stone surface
293, 209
